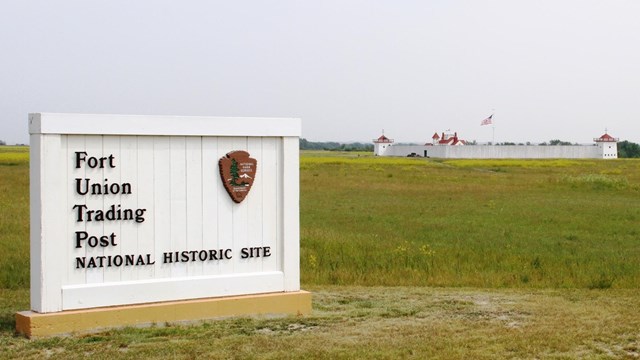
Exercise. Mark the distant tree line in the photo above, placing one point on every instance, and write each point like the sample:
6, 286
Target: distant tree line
557, 142
627, 149
2, 142
334, 146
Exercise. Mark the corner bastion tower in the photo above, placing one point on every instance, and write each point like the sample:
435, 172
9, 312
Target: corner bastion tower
381, 145
607, 146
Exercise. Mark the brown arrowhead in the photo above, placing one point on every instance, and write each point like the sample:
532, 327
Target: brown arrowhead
237, 171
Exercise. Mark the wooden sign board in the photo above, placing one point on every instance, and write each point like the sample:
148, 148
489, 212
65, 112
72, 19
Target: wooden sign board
133, 209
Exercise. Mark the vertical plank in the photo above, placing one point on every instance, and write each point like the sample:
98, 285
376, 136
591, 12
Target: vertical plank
291, 213
36, 267
281, 184
210, 191
145, 192
53, 231
270, 194
194, 201
225, 211
178, 202
94, 148
241, 221
112, 175
128, 236
162, 201
255, 204
75, 143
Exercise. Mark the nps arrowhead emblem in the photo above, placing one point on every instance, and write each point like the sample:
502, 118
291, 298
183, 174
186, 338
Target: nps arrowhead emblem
238, 171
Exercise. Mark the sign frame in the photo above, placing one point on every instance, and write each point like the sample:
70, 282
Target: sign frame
50, 239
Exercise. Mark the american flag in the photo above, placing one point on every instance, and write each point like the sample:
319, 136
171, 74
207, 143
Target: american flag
487, 121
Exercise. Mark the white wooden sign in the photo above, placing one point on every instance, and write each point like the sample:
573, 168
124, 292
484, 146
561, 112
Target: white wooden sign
133, 209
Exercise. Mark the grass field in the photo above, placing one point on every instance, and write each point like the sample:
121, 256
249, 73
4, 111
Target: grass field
480, 223
408, 258
14, 217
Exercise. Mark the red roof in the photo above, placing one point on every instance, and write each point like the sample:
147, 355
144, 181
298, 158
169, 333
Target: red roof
383, 139
606, 138
451, 140
435, 136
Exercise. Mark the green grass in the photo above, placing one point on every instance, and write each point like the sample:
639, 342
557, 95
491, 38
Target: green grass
455, 258
481, 223
14, 217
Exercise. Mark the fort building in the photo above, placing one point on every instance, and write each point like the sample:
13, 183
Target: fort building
449, 145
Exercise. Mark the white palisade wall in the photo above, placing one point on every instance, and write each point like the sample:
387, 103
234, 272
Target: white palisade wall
172, 165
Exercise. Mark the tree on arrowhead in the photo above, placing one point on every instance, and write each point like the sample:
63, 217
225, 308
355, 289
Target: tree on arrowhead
234, 173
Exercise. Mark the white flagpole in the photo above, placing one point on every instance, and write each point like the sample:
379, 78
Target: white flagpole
493, 127
493, 138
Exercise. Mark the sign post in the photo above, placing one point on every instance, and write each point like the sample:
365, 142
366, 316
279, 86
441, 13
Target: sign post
143, 218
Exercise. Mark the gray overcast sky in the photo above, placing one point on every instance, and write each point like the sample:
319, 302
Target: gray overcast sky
551, 69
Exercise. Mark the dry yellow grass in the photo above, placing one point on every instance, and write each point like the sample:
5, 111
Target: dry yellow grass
384, 322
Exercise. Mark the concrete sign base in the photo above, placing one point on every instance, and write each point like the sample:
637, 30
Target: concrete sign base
36, 325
